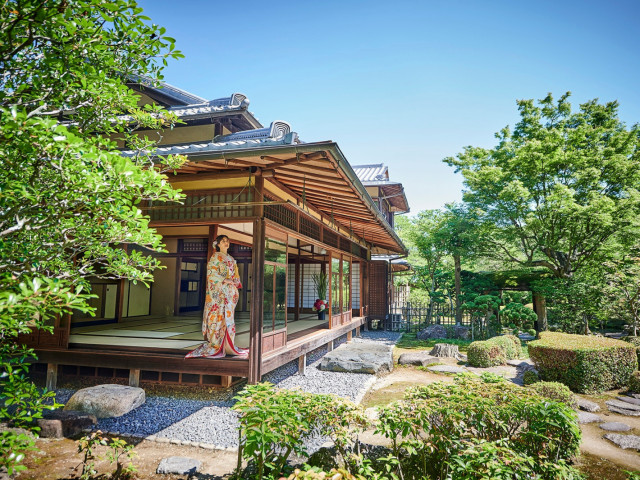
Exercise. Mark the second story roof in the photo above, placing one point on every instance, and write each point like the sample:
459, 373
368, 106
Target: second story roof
377, 175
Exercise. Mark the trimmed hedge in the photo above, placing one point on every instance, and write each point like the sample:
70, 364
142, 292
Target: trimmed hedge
555, 391
634, 382
495, 351
586, 364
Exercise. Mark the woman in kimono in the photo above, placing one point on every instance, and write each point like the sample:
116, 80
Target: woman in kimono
218, 324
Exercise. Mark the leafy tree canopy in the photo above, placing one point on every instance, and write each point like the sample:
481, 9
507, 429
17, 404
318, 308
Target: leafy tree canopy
556, 189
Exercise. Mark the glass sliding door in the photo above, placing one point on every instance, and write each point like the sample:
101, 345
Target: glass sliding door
275, 286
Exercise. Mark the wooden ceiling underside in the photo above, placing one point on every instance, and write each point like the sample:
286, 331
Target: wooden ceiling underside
315, 177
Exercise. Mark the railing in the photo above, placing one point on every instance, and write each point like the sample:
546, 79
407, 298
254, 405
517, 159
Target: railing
415, 317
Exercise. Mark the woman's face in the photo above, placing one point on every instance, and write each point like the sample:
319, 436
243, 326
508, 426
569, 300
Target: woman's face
224, 244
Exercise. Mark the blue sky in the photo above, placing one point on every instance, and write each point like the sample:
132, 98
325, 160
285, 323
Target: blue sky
404, 83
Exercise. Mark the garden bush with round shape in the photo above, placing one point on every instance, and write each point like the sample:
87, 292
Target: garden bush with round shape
555, 391
495, 351
530, 377
586, 364
634, 382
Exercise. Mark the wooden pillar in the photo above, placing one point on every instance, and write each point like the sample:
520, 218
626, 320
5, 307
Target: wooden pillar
134, 377
298, 281
257, 296
349, 336
213, 233
52, 376
358, 331
302, 364
225, 381
330, 346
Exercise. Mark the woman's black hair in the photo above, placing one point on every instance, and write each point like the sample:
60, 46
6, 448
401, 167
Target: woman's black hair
217, 241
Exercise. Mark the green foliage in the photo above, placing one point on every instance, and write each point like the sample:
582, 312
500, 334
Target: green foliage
495, 351
634, 382
320, 282
409, 341
556, 392
586, 364
275, 423
118, 451
530, 377
518, 314
532, 332
440, 431
555, 190
70, 202
490, 377
485, 354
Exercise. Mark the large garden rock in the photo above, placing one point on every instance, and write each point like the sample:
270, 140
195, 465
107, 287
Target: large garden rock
627, 399
587, 405
615, 427
359, 358
620, 404
64, 423
179, 466
421, 358
432, 331
586, 417
106, 401
624, 441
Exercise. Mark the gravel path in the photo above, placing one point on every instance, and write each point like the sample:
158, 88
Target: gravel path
212, 421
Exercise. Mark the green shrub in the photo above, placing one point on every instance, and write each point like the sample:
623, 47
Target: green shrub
470, 420
495, 351
530, 377
532, 332
586, 364
485, 354
634, 382
490, 377
555, 391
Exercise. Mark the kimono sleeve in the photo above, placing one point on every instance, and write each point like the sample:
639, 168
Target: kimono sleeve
236, 276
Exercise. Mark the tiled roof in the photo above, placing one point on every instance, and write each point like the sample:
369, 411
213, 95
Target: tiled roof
278, 133
170, 91
371, 173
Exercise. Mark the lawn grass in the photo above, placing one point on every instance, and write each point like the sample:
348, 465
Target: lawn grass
410, 342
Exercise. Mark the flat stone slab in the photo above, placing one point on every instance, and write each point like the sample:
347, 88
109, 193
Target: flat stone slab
615, 427
623, 405
624, 411
586, 417
421, 358
631, 400
64, 423
106, 401
624, 441
587, 405
179, 466
359, 358
446, 369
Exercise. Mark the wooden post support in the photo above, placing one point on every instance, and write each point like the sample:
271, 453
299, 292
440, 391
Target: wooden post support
358, 331
225, 381
330, 346
134, 377
302, 364
349, 336
52, 376
257, 295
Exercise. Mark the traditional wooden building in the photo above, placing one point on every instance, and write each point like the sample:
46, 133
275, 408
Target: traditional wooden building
290, 209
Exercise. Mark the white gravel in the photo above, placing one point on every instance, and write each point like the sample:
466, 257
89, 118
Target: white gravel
213, 422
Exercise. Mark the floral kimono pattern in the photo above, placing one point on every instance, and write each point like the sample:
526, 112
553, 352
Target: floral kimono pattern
218, 324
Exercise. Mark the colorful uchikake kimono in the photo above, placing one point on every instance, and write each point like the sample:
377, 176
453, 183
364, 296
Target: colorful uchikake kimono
218, 325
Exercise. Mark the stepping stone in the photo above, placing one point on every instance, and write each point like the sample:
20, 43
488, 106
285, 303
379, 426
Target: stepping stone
179, 466
446, 369
586, 417
622, 404
615, 427
631, 400
359, 358
520, 363
587, 405
106, 401
624, 441
421, 358
624, 411
61, 423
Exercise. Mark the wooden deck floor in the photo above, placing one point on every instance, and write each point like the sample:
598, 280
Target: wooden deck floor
172, 332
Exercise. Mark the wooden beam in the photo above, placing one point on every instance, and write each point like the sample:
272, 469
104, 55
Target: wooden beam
257, 295
305, 167
302, 364
213, 176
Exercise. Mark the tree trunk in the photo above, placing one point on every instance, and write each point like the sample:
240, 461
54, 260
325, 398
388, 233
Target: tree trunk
445, 350
456, 260
540, 307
